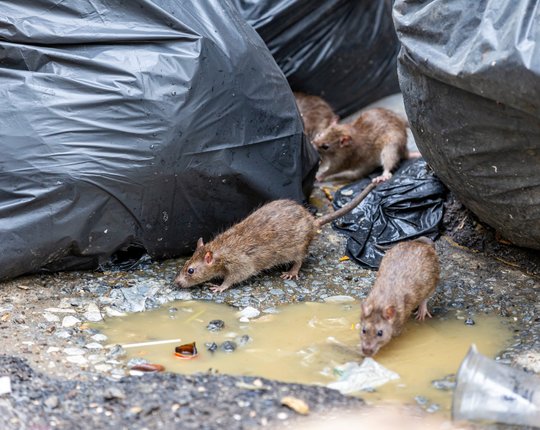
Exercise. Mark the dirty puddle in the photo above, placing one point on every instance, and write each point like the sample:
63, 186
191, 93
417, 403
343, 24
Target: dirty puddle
305, 342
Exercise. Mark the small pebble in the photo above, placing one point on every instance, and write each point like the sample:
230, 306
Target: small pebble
211, 346
74, 351
99, 337
243, 340
77, 359
434, 407
94, 345
228, 346
70, 321
51, 317
52, 402
215, 325
469, 321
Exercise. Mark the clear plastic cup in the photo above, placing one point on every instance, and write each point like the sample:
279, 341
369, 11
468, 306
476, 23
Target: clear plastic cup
490, 391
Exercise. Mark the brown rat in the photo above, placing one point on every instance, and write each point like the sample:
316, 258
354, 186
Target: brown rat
277, 233
316, 114
378, 137
407, 276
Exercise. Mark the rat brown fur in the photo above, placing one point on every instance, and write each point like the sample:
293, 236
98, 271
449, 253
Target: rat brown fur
277, 233
378, 137
408, 275
316, 114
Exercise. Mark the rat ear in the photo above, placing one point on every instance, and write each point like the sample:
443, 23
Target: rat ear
200, 243
335, 120
345, 140
389, 312
366, 309
208, 257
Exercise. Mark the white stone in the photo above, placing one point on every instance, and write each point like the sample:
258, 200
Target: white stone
60, 311
77, 359
111, 312
339, 299
70, 321
51, 317
103, 367
74, 351
98, 337
94, 345
52, 349
92, 313
5, 385
248, 312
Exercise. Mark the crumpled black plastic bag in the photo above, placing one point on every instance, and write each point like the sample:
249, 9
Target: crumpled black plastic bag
470, 77
136, 124
342, 50
406, 207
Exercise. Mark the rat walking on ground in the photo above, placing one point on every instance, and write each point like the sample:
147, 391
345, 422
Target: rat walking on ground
277, 233
378, 137
408, 275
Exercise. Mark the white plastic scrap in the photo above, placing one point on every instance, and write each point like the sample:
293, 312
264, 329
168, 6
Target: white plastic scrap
5, 385
354, 377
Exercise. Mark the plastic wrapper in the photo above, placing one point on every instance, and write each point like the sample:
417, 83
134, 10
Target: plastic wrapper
355, 377
407, 206
470, 78
136, 125
342, 50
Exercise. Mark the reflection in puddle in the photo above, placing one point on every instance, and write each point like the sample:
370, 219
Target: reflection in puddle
304, 342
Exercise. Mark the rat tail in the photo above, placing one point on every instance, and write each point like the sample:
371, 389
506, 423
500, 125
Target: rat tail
345, 209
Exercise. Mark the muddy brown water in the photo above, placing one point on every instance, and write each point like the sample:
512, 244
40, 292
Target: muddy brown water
304, 342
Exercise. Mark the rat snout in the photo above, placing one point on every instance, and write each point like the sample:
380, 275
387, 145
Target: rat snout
179, 282
368, 352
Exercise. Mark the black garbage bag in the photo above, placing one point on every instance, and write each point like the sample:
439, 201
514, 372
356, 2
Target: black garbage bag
136, 124
342, 50
406, 207
470, 77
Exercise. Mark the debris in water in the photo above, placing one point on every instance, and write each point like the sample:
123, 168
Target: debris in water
354, 377
149, 367
296, 404
469, 321
150, 343
186, 351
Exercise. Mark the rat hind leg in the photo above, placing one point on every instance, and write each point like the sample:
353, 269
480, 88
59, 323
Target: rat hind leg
390, 156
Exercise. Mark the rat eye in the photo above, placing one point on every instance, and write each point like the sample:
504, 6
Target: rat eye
363, 330
191, 270
379, 333
325, 146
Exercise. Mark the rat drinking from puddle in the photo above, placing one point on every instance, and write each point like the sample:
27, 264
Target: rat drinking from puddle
408, 275
378, 137
277, 233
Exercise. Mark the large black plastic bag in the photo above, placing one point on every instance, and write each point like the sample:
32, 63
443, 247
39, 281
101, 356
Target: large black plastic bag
470, 77
408, 206
342, 50
141, 123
